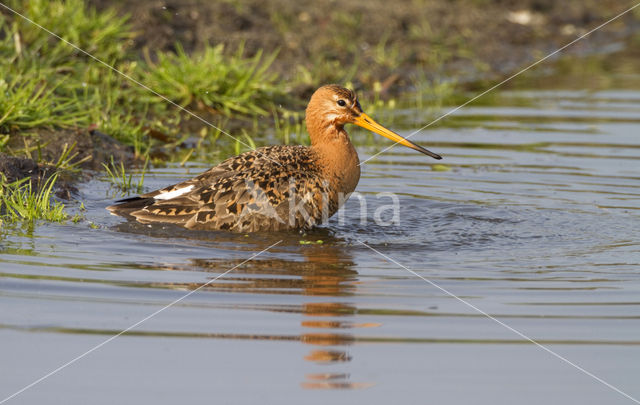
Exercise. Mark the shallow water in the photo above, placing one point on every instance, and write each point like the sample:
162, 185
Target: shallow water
537, 223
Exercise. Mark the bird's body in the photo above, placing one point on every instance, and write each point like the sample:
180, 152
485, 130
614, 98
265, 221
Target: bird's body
275, 187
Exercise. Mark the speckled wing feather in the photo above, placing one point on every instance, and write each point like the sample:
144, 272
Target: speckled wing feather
271, 188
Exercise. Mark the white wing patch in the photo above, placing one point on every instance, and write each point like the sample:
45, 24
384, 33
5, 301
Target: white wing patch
173, 194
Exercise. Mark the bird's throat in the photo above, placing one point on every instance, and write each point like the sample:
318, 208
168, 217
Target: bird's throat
339, 161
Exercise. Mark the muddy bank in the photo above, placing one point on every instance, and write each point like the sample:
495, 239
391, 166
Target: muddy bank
90, 149
365, 42
16, 168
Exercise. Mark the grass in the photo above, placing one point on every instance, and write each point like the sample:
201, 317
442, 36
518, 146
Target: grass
21, 201
116, 110
103, 34
30, 101
48, 84
117, 175
68, 159
289, 127
213, 80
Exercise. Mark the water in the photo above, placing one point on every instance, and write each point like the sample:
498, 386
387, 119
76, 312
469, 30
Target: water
537, 224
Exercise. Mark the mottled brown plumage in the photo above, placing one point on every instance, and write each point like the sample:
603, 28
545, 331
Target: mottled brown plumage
274, 187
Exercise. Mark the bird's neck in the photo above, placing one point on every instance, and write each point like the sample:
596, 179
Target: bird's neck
338, 158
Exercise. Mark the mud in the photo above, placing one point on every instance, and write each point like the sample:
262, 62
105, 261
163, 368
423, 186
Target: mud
93, 149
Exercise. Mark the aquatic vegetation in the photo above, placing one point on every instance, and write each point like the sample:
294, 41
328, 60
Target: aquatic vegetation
441, 168
431, 93
290, 126
244, 143
117, 175
22, 201
311, 242
68, 159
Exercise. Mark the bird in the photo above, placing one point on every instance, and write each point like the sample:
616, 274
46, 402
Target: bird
272, 188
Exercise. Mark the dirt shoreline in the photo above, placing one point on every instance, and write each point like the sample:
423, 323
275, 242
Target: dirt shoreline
94, 148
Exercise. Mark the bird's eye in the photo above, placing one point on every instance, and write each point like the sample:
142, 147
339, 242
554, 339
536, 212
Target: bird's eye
341, 103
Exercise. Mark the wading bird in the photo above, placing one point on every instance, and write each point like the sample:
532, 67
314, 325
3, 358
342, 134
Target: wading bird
274, 187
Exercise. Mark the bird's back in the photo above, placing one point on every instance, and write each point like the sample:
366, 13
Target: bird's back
270, 188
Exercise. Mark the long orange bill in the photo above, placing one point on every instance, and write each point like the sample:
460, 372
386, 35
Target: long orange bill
367, 122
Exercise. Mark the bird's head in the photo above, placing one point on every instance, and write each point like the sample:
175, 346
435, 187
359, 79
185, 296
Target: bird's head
333, 106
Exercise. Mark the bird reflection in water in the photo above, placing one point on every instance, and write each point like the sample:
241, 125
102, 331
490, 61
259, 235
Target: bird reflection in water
322, 272
326, 276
